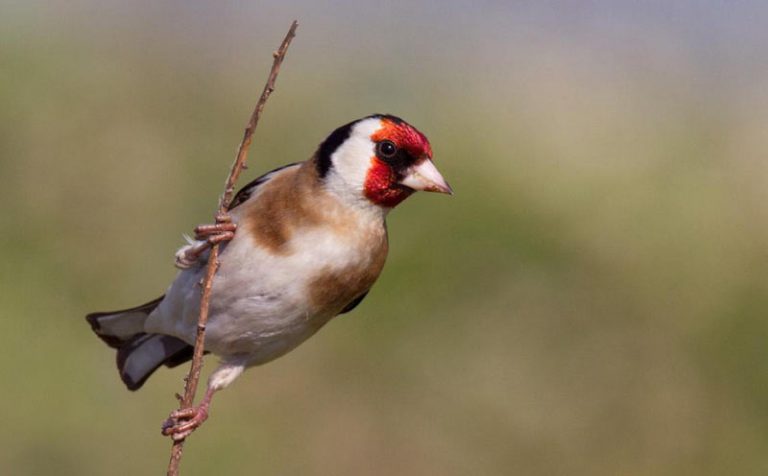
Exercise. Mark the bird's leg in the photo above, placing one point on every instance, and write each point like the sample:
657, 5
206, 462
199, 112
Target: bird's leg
207, 236
181, 423
184, 421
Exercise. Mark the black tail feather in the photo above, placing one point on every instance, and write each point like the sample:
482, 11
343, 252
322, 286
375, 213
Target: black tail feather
138, 354
94, 319
138, 359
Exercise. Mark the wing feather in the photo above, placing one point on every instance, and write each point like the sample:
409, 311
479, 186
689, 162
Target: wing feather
248, 189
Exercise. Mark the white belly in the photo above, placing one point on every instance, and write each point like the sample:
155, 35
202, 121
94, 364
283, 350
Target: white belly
259, 302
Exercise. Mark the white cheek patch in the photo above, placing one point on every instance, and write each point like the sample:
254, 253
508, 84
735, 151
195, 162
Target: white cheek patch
352, 160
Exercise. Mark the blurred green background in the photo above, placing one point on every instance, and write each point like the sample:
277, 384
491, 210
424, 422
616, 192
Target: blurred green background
592, 301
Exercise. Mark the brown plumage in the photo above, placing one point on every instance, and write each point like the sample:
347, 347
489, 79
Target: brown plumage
333, 290
292, 200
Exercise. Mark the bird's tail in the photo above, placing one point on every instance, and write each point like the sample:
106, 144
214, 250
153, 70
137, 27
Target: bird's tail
139, 354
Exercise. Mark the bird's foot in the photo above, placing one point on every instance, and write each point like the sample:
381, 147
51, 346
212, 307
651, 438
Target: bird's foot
206, 235
181, 423
222, 230
189, 255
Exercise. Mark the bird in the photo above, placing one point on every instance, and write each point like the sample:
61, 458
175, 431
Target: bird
299, 246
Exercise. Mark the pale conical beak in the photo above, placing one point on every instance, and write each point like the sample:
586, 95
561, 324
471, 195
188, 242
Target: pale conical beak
424, 176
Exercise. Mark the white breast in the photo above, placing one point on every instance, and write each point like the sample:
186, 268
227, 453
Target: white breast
259, 302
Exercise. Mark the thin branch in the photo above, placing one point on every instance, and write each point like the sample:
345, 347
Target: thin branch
213, 260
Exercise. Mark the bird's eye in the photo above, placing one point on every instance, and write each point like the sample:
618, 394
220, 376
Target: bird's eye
386, 149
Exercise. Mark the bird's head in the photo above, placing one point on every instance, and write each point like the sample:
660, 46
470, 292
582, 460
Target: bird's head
379, 159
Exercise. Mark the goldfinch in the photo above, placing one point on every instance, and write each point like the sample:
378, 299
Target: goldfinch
311, 240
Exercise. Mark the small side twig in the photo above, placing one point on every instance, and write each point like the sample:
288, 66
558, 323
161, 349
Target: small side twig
213, 260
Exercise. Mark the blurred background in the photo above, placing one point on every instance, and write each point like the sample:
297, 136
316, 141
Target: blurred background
592, 301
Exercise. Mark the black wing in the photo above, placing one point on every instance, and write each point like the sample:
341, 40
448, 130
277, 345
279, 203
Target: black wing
354, 303
245, 193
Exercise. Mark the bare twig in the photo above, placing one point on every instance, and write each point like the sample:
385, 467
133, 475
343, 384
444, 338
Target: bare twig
213, 262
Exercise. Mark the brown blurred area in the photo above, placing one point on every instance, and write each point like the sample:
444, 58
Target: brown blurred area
592, 301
